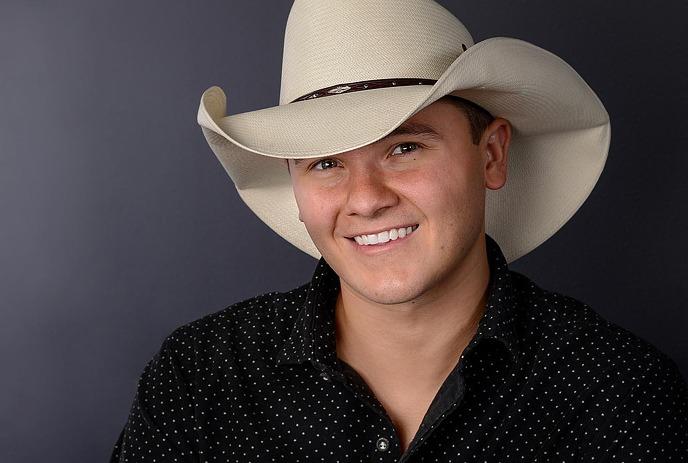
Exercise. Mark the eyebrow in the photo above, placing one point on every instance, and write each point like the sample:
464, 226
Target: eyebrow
406, 128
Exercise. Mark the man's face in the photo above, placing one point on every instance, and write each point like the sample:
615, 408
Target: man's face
434, 180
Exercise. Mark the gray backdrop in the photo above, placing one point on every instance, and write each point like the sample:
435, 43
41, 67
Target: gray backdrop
118, 224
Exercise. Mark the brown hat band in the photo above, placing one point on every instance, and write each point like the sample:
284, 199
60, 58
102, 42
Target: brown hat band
364, 85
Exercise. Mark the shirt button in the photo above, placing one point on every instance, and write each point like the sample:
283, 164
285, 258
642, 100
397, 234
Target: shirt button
382, 444
325, 376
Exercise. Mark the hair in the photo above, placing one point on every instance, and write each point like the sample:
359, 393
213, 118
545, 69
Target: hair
478, 117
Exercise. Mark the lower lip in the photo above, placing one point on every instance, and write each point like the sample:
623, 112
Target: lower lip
378, 248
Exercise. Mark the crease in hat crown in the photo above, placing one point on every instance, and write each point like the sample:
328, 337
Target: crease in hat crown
332, 42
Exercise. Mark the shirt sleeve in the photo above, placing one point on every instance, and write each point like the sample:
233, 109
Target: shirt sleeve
161, 423
651, 423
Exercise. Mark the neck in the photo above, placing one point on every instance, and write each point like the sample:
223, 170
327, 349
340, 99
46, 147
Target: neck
418, 341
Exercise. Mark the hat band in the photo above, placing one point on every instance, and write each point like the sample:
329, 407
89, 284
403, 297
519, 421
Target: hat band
363, 85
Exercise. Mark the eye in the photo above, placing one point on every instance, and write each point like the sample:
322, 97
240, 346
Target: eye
323, 162
327, 163
402, 148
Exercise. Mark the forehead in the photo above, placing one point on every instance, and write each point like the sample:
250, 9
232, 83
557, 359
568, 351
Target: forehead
436, 122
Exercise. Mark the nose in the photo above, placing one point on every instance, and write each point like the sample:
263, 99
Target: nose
369, 192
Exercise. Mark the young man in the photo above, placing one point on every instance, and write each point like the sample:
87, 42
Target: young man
400, 158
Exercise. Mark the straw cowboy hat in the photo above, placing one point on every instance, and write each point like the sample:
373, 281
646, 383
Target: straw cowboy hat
354, 70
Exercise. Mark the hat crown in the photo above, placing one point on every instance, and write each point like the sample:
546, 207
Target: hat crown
330, 42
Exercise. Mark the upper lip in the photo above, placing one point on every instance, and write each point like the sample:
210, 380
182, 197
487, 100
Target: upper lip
381, 230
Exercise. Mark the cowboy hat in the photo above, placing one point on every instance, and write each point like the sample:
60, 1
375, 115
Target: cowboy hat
354, 70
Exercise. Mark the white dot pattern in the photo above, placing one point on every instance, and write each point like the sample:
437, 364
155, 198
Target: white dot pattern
545, 379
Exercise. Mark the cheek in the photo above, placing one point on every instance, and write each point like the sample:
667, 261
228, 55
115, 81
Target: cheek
450, 195
463, 173
315, 207
443, 184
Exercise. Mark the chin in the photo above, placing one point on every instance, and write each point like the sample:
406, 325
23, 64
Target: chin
396, 292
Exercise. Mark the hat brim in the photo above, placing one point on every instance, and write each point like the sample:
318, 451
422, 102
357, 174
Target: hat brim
560, 140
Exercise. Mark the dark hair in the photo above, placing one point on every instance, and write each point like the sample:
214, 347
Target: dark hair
478, 117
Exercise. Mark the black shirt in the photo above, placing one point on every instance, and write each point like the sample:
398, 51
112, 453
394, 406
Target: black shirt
545, 378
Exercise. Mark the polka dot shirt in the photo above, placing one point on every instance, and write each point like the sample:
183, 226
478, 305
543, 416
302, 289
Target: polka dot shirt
544, 379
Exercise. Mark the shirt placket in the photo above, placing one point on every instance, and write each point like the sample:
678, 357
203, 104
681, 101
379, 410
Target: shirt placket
448, 398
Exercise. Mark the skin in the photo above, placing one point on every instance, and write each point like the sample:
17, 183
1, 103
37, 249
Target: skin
404, 316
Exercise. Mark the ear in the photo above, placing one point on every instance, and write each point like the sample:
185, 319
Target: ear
495, 145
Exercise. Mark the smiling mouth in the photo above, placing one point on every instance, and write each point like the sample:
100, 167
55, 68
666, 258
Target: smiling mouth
385, 236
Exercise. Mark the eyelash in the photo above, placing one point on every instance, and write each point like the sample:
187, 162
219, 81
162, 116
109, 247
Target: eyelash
312, 166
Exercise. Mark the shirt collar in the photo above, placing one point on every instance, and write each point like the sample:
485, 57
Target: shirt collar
313, 335
503, 305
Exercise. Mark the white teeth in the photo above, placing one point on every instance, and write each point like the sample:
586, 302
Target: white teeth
385, 236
